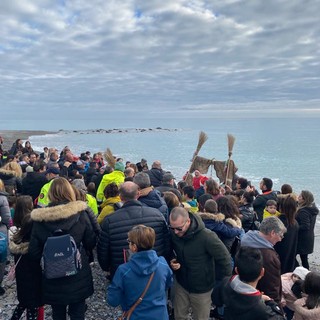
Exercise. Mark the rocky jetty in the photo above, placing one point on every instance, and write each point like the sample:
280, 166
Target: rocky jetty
117, 130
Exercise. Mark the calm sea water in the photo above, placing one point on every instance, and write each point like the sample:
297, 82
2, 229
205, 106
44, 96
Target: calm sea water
286, 150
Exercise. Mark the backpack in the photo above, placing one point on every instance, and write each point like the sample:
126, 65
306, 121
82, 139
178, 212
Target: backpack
256, 223
60, 256
3, 247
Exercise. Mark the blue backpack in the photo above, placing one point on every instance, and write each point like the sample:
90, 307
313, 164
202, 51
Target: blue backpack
60, 256
3, 247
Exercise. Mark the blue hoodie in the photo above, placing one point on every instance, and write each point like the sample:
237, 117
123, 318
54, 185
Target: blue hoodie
130, 281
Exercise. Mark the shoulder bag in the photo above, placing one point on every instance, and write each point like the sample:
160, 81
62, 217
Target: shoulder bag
127, 314
12, 271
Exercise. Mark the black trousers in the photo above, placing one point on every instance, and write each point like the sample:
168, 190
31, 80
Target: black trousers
76, 311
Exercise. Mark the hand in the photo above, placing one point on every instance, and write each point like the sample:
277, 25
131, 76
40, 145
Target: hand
174, 264
265, 297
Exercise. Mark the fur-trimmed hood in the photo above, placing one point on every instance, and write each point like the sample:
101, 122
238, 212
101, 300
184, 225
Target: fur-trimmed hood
58, 212
235, 223
218, 217
21, 248
7, 174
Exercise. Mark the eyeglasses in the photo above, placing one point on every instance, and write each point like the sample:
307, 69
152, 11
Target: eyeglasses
178, 228
281, 235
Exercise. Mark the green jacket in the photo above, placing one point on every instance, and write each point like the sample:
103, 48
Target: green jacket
200, 252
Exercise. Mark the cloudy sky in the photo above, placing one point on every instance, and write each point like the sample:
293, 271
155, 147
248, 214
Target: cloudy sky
161, 57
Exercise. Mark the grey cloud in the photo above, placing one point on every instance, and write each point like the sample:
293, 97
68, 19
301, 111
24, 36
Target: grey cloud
148, 54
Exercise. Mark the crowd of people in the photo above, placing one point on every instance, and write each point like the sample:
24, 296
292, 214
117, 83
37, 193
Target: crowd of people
166, 246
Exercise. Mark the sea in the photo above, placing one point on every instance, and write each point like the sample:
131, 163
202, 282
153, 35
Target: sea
287, 150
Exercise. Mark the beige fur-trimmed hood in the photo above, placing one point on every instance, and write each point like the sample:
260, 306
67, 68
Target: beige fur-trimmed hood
235, 223
9, 173
58, 212
218, 217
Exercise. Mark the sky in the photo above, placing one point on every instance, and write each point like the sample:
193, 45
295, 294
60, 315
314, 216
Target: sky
158, 58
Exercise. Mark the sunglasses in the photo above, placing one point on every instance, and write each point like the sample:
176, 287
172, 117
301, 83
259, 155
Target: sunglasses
178, 228
129, 241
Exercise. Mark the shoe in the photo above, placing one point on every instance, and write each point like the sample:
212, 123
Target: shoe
2, 291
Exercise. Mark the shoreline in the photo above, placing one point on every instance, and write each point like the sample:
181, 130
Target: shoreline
10, 136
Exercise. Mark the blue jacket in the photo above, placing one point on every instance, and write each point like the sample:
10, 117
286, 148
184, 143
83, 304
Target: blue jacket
152, 198
130, 281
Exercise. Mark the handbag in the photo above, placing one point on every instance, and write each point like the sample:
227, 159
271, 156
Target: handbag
127, 314
12, 271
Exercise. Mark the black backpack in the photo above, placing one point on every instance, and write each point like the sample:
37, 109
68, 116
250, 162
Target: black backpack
60, 256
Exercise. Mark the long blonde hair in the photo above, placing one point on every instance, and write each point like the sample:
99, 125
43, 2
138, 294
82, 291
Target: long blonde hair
13, 166
61, 191
2, 188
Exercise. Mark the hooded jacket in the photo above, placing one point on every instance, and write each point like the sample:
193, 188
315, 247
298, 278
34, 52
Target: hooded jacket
152, 198
202, 255
244, 302
131, 279
215, 222
115, 176
306, 218
11, 181
270, 283
71, 218
108, 207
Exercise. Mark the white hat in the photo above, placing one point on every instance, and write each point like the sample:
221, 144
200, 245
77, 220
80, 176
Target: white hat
29, 169
301, 272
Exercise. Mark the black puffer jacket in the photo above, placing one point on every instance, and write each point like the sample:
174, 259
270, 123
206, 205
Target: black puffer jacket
115, 230
70, 217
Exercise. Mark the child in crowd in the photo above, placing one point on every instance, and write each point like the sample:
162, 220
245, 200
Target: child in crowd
112, 201
28, 271
271, 209
188, 194
239, 294
308, 308
291, 289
